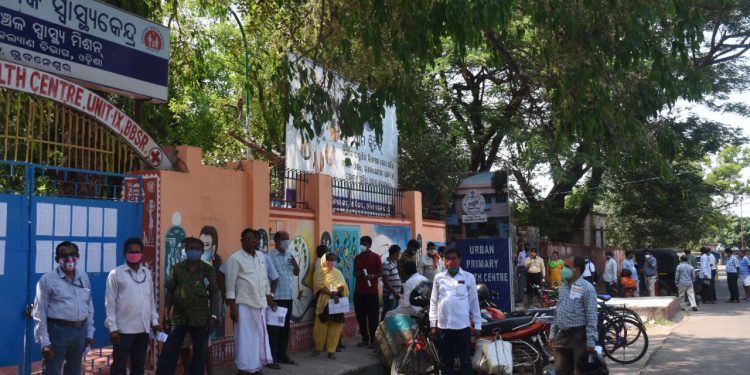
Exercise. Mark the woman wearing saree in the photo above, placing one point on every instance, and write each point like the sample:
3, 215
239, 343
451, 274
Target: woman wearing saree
328, 284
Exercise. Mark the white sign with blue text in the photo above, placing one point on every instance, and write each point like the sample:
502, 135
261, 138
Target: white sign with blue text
108, 48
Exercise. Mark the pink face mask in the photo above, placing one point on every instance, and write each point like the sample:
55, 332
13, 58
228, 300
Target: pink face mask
133, 258
330, 264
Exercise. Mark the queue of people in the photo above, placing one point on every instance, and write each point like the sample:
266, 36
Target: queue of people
249, 282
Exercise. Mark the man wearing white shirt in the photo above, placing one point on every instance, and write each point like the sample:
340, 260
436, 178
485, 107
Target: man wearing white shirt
454, 308
706, 273
610, 273
131, 310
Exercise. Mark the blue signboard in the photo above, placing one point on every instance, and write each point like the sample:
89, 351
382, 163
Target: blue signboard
86, 40
489, 260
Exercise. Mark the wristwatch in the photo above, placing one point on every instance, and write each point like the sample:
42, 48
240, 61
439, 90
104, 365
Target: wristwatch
272, 295
214, 317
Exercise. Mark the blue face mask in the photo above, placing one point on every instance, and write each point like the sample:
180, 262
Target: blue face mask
193, 254
284, 245
566, 273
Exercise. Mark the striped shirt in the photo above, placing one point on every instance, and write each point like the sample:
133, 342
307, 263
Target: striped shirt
732, 264
390, 272
286, 274
576, 307
744, 267
59, 298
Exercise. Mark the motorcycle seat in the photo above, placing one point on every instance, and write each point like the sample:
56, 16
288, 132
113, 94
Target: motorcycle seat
532, 312
505, 325
604, 297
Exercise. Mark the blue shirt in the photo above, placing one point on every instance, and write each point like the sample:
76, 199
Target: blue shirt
649, 266
576, 307
744, 264
286, 273
628, 264
732, 264
684, 274
59, 298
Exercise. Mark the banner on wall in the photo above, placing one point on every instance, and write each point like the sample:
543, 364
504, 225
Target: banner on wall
489, 260
327, 152
110, 49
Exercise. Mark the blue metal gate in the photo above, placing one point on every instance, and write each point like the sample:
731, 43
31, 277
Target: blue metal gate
44, 206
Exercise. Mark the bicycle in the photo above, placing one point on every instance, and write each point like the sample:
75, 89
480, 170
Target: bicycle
420, 356
622, 337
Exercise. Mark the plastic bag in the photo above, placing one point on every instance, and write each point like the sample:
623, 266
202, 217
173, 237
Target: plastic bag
478, 362
499, 356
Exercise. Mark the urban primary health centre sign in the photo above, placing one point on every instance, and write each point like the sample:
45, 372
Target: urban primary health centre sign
105, 47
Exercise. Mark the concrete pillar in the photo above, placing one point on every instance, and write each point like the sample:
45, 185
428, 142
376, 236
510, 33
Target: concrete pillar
413, 211
320, 200
258, 187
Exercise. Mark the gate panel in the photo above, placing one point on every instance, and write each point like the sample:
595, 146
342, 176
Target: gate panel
98, 227
14, 260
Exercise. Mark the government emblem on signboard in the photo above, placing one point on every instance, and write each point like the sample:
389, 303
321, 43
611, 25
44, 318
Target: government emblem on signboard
473, 207
152, 39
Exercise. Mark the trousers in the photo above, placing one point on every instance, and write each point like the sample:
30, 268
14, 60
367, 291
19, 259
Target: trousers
455, 343
734, 291
132, 346
686, 290
170, 352
366, 308
278, 337
568, 347
68, 343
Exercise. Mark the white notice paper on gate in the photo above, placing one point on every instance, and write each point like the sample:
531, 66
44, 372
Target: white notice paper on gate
44, 257
95, 222
78, 224
62, 220
338, 308
276, 318
44, 219
3, 219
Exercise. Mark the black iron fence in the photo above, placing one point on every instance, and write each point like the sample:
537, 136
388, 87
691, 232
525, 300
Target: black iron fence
366, 199
288, 188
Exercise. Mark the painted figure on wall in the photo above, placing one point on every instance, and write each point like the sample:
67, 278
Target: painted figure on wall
301, 291
345, 245
210, 238
173, 253
383, 236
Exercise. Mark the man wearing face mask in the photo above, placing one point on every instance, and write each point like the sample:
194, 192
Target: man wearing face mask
629, 264
408, 255
610, 273
131, 310
573, 332
431, 264
189, 309
367, 268
288, 270
63, 313
649, 272
454, 309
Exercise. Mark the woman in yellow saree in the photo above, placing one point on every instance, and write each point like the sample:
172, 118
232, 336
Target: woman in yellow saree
328, 284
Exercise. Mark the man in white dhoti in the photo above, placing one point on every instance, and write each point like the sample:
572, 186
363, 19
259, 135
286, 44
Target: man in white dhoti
248, 295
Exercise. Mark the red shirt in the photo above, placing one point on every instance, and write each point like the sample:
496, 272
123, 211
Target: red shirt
370, 262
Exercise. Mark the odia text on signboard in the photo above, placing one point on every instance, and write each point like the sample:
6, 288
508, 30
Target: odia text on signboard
110, 49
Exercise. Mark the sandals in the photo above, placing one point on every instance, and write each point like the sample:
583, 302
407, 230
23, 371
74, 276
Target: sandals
331, 355
315, 353
289, 361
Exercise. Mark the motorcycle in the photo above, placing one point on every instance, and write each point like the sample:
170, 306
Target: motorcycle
405, 346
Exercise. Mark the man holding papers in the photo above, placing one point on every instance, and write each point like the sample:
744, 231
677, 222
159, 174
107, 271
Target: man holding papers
367, 269
248, 295
288, 269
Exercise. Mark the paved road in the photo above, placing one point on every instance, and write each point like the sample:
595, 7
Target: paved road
713, 340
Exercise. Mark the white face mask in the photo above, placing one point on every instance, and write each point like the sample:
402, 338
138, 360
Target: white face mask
362, 248
648, 256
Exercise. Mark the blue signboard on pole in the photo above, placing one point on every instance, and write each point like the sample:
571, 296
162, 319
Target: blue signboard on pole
489, 260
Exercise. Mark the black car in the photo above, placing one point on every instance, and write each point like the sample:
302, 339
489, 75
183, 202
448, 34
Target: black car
666, 265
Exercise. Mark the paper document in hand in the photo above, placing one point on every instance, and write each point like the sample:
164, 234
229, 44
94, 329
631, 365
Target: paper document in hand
338, 308
276, 318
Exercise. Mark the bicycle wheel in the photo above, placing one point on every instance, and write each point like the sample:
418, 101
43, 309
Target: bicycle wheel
628, 313
411, 360
624, 341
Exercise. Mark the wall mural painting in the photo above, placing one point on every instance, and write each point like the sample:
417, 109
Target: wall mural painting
173, 244
345, 244
383, 236
301, 245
